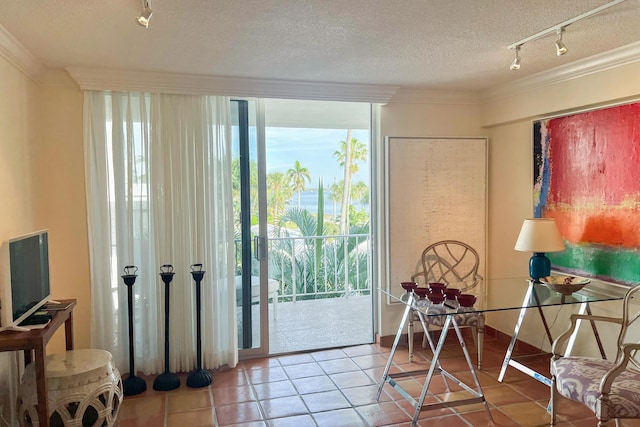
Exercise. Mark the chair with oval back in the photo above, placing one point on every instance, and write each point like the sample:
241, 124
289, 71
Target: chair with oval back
456, 264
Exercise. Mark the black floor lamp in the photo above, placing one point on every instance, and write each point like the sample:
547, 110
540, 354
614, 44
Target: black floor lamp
166, 381
132, 384
198, 377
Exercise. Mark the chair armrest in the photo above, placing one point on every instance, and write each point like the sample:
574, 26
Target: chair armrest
628, 348
609, 377
558, 344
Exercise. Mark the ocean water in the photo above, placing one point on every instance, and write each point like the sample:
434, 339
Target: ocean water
309, 201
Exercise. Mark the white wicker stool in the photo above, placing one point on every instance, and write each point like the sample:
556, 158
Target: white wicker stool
84, 388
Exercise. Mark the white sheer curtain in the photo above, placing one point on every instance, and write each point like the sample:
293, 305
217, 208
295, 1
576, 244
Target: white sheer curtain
158, 179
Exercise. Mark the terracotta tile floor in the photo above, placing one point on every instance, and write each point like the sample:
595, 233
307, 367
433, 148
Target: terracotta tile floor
337, 387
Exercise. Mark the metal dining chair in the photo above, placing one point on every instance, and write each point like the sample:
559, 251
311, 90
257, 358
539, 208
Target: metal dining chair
456, 264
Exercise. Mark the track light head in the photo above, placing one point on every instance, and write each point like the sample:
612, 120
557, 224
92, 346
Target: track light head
515, 65
561, 49
145, 16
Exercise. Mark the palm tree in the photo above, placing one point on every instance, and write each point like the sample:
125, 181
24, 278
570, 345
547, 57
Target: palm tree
344, 160
278, 192
360, 192
349, 153
335, 194
298, 176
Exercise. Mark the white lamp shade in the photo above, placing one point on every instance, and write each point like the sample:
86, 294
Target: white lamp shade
539, 235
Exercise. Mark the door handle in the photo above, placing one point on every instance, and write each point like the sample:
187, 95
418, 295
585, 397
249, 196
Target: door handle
260, 248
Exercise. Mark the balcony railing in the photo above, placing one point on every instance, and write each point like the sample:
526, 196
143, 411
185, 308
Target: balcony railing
317, 267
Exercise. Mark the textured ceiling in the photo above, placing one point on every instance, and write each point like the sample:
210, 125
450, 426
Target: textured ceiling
427, 44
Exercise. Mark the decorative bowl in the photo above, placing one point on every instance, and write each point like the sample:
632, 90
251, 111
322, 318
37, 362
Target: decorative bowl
452, 293
409, 286
466, 300
437, 286
421, 292
436, 297
566, 285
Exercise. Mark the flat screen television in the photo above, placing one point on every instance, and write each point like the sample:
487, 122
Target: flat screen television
26, 277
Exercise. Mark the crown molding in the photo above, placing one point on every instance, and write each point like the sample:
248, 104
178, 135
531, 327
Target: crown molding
57, 78
17, 55
107, 79
608, 60
428, 96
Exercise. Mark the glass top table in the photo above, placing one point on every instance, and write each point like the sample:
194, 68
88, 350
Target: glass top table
535, 296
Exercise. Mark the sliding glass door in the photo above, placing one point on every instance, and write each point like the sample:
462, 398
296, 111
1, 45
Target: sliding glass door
301, 180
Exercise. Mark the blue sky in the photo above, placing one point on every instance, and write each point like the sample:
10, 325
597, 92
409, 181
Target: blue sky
314, 148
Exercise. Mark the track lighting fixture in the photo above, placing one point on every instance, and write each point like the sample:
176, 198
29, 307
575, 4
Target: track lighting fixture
515, 65
561, 49
145, 16
558, 29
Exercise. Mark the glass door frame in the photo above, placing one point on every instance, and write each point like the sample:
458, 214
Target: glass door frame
253, 250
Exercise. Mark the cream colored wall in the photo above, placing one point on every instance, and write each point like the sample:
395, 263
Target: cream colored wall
42, 186
415, 120
18, 124
60, 203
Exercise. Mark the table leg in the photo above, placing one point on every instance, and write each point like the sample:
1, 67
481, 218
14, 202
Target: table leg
410, 335
435, 362
596, 334
41, 386
480, 339
574, 334
68, 331
544, 319
478, 391
585, 309
450, 321
385, 374
429, 340
516, 330
418, 404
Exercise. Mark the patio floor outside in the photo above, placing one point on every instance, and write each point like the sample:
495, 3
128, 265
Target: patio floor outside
318, 324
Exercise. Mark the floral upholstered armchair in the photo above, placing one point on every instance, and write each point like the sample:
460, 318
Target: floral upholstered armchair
609, 388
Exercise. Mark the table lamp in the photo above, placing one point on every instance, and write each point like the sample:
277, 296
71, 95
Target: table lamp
539, 235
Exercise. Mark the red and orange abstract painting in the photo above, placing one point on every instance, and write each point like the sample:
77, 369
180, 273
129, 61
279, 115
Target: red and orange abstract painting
587, 177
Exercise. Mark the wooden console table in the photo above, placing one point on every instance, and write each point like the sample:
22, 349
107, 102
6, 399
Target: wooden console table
36, 341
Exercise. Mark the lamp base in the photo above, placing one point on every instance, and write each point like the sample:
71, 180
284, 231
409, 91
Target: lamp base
539, 266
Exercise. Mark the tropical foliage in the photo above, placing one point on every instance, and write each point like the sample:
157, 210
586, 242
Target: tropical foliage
314, 256
279, 191
317, 265
351, 152
298, 176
